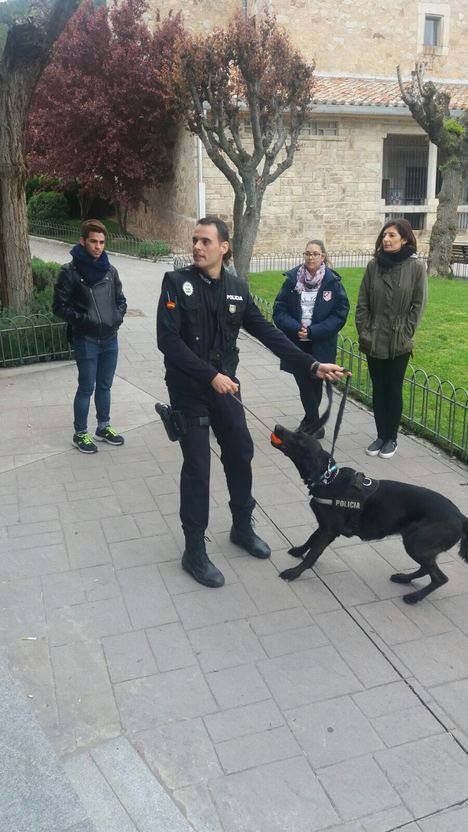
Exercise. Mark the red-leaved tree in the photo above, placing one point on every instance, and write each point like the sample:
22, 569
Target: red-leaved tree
245, 91
103, 116
24, 52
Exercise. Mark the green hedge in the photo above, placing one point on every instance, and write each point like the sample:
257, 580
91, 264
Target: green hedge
48, 205
34, 334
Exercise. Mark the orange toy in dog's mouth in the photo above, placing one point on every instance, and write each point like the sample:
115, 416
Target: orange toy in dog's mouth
275, 440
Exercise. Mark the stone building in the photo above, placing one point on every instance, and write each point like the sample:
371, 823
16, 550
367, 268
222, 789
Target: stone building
362, 158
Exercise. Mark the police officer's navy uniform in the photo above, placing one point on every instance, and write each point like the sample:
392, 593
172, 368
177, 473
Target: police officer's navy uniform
198, 323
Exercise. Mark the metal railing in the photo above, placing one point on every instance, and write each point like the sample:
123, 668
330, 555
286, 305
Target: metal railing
286, 260
27, 339
338, 260
117, 243
432, 407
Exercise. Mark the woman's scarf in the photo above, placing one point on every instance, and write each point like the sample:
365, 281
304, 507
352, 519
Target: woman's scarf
306, 282
387, 259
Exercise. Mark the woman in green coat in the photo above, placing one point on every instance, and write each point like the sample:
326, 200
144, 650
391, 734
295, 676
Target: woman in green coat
390, 305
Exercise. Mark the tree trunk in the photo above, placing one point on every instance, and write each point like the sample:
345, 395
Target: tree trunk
445, 228
246, 224
15, 260
24, 56
85, 202
122, 217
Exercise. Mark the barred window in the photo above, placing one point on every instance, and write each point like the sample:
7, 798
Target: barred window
322, 128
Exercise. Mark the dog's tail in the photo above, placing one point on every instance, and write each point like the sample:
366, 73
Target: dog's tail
464, 540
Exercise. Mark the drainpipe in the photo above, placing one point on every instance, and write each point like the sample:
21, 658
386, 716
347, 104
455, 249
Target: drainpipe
201, 200
201, 191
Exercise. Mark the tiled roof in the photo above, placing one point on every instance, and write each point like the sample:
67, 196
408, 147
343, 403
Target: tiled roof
376, 92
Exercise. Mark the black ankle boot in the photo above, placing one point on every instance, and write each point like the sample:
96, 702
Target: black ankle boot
197, 563
243, 535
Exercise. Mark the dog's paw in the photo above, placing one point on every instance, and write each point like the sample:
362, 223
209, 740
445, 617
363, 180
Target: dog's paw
401, 578
412, 598
288, 574
296, 552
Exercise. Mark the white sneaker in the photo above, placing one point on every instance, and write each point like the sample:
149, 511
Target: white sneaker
388, 449
374, 447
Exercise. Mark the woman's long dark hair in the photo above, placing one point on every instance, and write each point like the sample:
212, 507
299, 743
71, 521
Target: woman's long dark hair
404, 229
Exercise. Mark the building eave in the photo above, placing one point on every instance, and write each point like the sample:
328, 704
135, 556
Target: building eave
375, 110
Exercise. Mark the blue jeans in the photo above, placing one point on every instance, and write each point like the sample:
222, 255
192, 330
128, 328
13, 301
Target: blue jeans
96, 362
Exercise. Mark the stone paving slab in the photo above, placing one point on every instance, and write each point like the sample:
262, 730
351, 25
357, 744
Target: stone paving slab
325, 704
124, 796
35, 793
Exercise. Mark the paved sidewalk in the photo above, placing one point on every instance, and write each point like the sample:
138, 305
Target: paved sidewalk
326, 704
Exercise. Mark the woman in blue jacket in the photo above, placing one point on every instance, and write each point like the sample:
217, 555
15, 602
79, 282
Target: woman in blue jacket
310, 308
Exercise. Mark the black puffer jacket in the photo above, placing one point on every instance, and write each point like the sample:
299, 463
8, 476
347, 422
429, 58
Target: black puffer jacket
91, 311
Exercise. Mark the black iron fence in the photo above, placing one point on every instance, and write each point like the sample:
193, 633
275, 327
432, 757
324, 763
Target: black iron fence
27, 339
432, 407
118, 243
282, 262
338, 260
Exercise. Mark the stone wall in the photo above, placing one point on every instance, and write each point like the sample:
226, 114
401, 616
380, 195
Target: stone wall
354, 37
332, 191
370, 37
170, 211
198, 15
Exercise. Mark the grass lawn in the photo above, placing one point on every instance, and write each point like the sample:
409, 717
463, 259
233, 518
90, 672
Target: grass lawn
441, 350
441, 344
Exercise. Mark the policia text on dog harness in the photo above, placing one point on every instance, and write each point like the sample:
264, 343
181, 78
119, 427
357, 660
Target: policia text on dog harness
346, 493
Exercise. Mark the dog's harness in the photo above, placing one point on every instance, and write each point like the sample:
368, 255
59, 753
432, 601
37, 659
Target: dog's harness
344, 491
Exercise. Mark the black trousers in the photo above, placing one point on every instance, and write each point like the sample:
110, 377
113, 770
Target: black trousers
227, 419
310, 391
387, 376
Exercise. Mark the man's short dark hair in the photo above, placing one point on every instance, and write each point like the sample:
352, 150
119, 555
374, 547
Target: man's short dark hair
92, 225
223, 232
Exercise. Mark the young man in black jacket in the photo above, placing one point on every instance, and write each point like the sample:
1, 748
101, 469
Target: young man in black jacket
200, 312
88, 295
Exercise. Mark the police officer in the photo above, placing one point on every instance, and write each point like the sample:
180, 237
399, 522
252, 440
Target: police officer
200, 312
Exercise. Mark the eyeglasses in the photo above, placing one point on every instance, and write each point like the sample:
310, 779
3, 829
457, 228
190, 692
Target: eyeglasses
313, 254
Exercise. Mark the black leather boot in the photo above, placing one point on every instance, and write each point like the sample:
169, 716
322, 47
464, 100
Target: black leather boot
243, 535
197, 563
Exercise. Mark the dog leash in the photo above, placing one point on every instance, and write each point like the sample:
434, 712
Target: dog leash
339, 415
323, 418
244, 406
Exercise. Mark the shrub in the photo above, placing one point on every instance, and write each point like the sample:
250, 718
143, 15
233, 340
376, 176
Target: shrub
44, 274
48, 205
153, 250
38, 184
34, 333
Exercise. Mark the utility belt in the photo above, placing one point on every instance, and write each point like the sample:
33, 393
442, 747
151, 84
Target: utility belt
177, 423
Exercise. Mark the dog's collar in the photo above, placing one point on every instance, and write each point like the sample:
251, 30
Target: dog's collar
326, 478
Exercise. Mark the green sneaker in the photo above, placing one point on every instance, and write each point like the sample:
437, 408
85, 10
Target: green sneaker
109, 435
84, 443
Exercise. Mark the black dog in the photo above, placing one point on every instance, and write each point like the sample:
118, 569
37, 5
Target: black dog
346, 502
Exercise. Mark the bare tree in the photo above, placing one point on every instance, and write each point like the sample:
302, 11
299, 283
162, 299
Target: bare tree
430, 107
250, 76
25, 55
